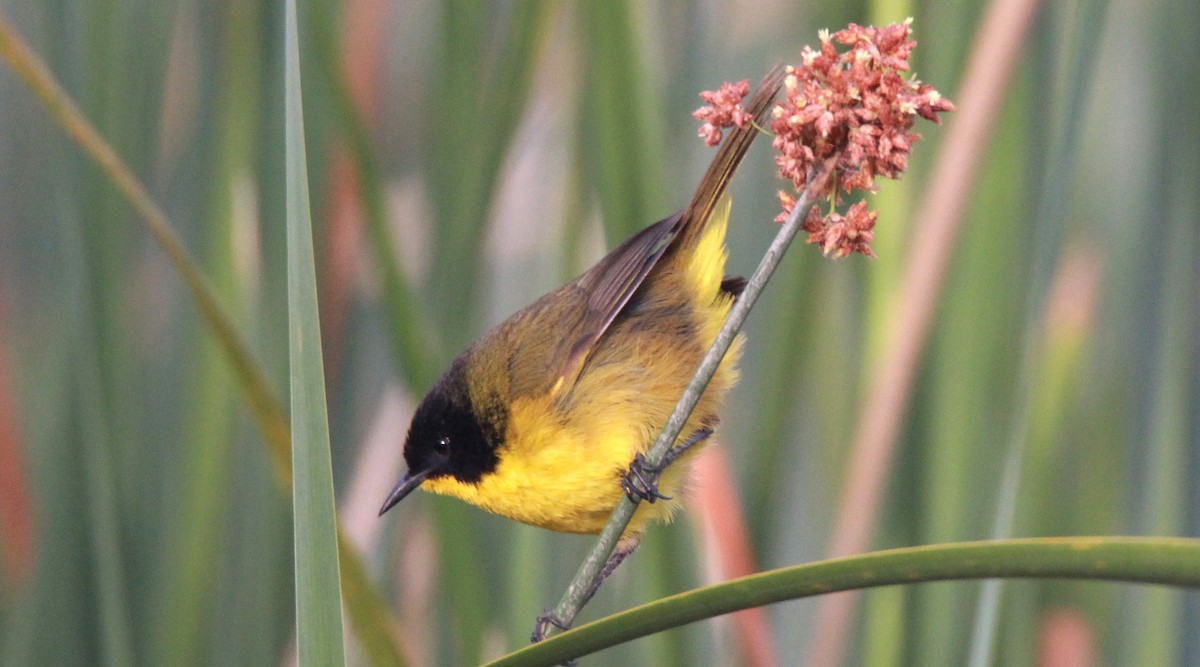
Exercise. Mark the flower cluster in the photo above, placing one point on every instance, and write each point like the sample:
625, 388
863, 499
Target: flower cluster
724, 109
845, 119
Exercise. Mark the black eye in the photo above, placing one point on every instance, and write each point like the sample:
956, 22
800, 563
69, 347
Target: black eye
442, 446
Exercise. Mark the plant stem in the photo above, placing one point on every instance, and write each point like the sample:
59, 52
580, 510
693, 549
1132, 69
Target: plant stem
1167, 561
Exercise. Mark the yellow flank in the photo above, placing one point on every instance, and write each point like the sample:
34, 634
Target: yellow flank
562, 461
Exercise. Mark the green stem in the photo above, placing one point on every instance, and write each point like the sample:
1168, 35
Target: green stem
1147, 560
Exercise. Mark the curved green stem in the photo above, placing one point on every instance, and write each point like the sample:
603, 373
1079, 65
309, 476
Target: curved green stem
1147, 560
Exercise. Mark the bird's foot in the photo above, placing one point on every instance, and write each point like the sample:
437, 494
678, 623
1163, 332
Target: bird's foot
542, 628
640, 482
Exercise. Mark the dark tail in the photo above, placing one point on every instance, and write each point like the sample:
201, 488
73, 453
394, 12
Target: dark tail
728, 157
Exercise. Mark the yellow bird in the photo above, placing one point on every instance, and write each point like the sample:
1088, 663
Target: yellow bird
540, 419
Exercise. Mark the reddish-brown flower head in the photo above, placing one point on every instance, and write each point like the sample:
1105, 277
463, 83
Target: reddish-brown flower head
857, 105
724, 109
854, 110
838, 235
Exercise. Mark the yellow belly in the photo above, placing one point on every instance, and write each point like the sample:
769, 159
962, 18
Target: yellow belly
561, 466
568, 479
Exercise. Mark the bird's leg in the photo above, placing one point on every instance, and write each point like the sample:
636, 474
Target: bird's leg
641, 480
626, 546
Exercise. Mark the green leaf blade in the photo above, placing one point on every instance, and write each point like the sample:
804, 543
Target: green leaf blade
318, 590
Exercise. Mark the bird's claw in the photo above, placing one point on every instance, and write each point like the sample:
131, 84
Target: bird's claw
640, 482
547, 619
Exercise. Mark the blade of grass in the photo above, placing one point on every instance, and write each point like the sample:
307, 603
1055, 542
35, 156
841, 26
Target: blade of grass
500, 79
55, 620
318, 590
1164, 560
721, 522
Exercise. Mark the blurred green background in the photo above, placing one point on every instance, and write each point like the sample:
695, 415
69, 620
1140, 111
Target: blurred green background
465, 158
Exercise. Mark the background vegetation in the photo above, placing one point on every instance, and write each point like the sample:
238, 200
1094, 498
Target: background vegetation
464, 158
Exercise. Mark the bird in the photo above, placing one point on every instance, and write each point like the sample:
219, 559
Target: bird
545, 418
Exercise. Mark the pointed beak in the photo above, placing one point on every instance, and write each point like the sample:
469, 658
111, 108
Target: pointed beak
405, 487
